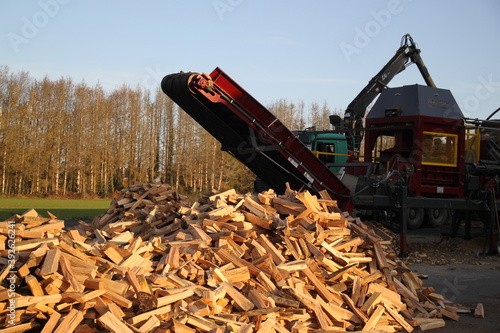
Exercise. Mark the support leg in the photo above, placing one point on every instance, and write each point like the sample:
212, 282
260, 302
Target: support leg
455, 223
468, 226
493, 225
403, 241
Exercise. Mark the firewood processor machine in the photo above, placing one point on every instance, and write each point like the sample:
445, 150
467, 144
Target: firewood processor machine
421, 160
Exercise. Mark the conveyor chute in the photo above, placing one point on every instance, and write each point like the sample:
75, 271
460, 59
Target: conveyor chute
251, 133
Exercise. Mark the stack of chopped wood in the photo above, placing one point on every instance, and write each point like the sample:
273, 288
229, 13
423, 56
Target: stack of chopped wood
155, 262
30, 230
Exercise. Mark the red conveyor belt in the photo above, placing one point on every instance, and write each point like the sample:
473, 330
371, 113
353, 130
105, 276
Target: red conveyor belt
252, 134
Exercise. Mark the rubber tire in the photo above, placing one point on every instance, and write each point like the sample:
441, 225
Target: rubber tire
415, 218
436, 218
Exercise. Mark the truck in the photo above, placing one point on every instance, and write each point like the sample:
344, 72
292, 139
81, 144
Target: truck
413, 157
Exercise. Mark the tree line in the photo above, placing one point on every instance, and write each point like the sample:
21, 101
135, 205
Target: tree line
62, 138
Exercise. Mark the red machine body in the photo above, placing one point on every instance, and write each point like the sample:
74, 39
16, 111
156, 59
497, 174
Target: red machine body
420, 132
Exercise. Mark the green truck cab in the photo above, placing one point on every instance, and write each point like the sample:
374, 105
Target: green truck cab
330, 147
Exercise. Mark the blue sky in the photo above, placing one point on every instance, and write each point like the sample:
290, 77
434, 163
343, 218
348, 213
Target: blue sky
318, 50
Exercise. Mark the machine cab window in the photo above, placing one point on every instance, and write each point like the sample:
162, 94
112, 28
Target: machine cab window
325, 151
439, 149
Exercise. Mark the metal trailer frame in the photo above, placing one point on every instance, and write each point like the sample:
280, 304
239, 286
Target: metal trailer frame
404, 203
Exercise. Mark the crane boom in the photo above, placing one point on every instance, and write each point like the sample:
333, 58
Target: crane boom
407, 54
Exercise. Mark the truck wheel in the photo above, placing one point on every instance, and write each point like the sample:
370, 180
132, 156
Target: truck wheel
437, 217
415, 218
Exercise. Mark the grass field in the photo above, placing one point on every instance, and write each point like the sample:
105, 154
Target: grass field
64, 209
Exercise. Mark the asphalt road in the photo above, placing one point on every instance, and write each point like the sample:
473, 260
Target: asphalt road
467, 285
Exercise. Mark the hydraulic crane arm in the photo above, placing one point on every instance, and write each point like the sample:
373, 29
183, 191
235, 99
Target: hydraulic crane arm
407, 54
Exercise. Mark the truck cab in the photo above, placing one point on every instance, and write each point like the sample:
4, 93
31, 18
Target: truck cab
330, 147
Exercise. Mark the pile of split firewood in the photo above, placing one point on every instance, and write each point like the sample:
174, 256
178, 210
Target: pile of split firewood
155, 262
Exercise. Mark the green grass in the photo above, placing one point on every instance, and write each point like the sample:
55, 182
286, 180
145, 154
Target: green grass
64, 209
